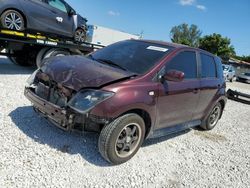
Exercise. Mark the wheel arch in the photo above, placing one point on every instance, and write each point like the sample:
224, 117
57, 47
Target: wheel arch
145, 116
80, 27
223, 104
222, 100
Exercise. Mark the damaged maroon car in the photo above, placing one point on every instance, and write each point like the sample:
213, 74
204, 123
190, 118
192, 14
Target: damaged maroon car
130, 91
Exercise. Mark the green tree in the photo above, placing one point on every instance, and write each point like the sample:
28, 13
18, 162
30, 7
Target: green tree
183, 34
218, 45
243, 58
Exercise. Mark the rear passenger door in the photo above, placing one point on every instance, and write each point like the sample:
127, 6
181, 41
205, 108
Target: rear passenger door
210, 83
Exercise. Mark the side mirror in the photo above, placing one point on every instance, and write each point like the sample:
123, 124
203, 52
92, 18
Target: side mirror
71, 12
174, 75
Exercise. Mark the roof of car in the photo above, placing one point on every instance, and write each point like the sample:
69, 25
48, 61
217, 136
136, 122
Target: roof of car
174, 45
165, 43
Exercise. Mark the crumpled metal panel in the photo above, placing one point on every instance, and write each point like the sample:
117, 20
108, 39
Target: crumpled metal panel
77, 72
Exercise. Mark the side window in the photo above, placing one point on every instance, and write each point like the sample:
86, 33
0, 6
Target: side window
58, 4
185, 62
219, 67
42, 1
208, 67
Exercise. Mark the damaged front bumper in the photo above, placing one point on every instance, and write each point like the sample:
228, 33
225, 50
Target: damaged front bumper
65, 118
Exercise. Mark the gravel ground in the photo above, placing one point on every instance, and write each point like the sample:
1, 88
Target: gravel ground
35, 154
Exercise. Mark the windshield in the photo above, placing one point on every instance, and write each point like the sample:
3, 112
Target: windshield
134, 56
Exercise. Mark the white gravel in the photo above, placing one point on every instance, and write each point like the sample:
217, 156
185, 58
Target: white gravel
34, 153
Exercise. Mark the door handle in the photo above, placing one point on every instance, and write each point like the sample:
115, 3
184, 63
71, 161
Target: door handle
59, 19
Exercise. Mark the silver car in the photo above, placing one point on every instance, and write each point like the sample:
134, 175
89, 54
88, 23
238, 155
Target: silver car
229, 72
244, 77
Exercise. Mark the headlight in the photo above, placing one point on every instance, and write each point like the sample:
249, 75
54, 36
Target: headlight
84, 100
31, 79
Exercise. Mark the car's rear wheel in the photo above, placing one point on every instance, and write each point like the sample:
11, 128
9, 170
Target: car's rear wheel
24, 58
13, 20
213, 117
120, 140
80, 35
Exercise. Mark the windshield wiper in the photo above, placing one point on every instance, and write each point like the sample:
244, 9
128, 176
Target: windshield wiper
109, 62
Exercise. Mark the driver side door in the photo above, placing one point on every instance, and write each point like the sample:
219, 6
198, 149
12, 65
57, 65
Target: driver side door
63, 22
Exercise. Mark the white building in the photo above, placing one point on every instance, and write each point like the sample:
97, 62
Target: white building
106, 36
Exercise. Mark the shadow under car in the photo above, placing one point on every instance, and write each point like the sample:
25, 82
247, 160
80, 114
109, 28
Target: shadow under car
7, 67
85, 144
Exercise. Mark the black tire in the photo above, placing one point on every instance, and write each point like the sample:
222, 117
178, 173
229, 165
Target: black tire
13, 20
80, 35
111, 136
40, 56
23, 57
54, 52
215, 113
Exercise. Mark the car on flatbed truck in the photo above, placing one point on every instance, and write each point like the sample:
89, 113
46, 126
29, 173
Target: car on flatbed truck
130, 91
50, 17
29, 49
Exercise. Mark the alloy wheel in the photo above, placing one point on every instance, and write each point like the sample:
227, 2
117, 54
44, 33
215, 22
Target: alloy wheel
80, 35
214, 116
13, 21
128, 140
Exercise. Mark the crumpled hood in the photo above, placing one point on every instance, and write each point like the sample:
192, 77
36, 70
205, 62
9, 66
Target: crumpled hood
77, 72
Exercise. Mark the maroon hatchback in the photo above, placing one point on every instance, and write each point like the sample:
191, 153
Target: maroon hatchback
130, 91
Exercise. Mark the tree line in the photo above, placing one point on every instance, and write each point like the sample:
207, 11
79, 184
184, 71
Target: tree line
214, 43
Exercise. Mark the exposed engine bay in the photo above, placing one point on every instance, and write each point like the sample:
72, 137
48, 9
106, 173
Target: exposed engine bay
51, 91
54, 105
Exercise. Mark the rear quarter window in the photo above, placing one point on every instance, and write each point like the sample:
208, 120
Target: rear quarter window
208, 66
219, 67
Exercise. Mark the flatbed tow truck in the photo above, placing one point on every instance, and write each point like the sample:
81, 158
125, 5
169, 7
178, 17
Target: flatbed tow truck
29, 49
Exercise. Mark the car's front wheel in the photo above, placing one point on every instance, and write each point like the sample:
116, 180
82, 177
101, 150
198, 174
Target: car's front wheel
80, 35
120, 140
13, 20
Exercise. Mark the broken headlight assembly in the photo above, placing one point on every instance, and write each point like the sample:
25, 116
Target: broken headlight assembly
85, 100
